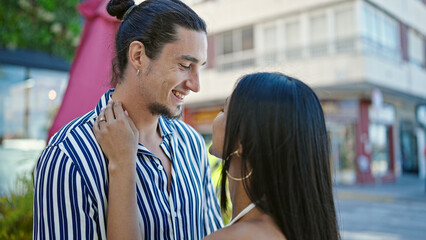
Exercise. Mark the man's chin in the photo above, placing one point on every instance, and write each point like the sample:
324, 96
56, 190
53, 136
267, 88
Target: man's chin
163, 110
213, 152
177, 114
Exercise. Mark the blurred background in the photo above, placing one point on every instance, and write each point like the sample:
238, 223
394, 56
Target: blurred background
366, 60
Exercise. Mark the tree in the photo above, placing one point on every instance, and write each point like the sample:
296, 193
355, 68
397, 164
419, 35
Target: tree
51, 26
16, 210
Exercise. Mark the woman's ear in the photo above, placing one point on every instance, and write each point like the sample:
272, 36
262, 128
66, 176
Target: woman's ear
137, 55
240, 149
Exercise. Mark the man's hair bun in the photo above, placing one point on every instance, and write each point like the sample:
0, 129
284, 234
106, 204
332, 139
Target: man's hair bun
117, 8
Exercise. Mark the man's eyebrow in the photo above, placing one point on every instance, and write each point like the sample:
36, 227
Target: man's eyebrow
191, 58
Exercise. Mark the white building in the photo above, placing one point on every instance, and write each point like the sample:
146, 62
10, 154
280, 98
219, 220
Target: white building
364, 58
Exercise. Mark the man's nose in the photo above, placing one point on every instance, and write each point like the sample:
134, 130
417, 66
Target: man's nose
194, 82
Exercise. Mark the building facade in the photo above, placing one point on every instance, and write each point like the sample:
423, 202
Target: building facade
31, 88
364, 58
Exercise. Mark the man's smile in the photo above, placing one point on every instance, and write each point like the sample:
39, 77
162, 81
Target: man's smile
179, 95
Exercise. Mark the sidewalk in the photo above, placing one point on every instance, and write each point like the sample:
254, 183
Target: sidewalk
405, 188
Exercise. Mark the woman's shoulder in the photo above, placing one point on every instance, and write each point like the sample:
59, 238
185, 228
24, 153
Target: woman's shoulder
254, 229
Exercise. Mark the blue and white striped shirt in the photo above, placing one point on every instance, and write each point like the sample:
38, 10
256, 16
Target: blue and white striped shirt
71, 185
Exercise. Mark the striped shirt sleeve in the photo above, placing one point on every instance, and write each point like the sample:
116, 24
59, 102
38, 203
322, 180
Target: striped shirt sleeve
212, 215
63, 207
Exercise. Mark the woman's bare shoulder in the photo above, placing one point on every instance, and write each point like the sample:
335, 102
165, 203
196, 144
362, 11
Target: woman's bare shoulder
248, 230
224, 233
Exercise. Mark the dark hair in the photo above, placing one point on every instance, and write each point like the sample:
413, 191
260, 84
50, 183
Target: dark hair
280, 124
152, 22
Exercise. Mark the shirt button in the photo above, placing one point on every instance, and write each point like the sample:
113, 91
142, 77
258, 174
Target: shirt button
159, 167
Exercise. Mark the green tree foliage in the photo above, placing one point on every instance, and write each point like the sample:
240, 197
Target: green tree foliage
51, 26
16, 211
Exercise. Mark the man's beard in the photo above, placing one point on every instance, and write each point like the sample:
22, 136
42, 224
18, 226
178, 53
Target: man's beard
160, 109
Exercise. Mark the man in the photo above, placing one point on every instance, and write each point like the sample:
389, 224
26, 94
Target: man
160, 45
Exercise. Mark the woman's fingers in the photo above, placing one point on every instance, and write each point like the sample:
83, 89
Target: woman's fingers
109, 112
99, 120
118, 110
120, 113
114, 120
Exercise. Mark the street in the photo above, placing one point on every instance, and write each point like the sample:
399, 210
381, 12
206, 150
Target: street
374, 218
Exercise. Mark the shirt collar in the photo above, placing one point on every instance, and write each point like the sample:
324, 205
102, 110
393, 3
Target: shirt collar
164, 123
104, 101
165, 126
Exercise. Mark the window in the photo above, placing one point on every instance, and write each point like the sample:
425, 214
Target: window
380, 155
25, 94
415, 48
235, 48
318, 35
344, 25
381, 33
293, 40
377, 34
380, 136
390, 34
247, 39
269, 44
228, 43
421, 115
368, 23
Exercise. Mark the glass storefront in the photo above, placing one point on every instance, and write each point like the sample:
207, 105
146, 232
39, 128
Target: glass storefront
341, 118
342, 151
379, 147
410, 162
380, 137
29, 99
421, 139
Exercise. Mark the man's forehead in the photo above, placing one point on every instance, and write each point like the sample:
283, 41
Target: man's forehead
190, 45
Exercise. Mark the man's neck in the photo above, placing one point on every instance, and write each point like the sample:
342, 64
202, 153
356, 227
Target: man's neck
145, 122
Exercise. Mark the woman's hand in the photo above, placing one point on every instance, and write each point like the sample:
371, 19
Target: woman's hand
118, 136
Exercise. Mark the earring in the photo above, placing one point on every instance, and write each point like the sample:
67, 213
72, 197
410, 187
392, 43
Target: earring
232, 154
229, 175
239, 179
137, 73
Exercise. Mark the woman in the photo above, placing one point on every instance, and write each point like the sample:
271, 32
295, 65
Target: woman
272, 137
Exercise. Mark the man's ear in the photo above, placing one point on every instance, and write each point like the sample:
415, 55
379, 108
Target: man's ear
137, 55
